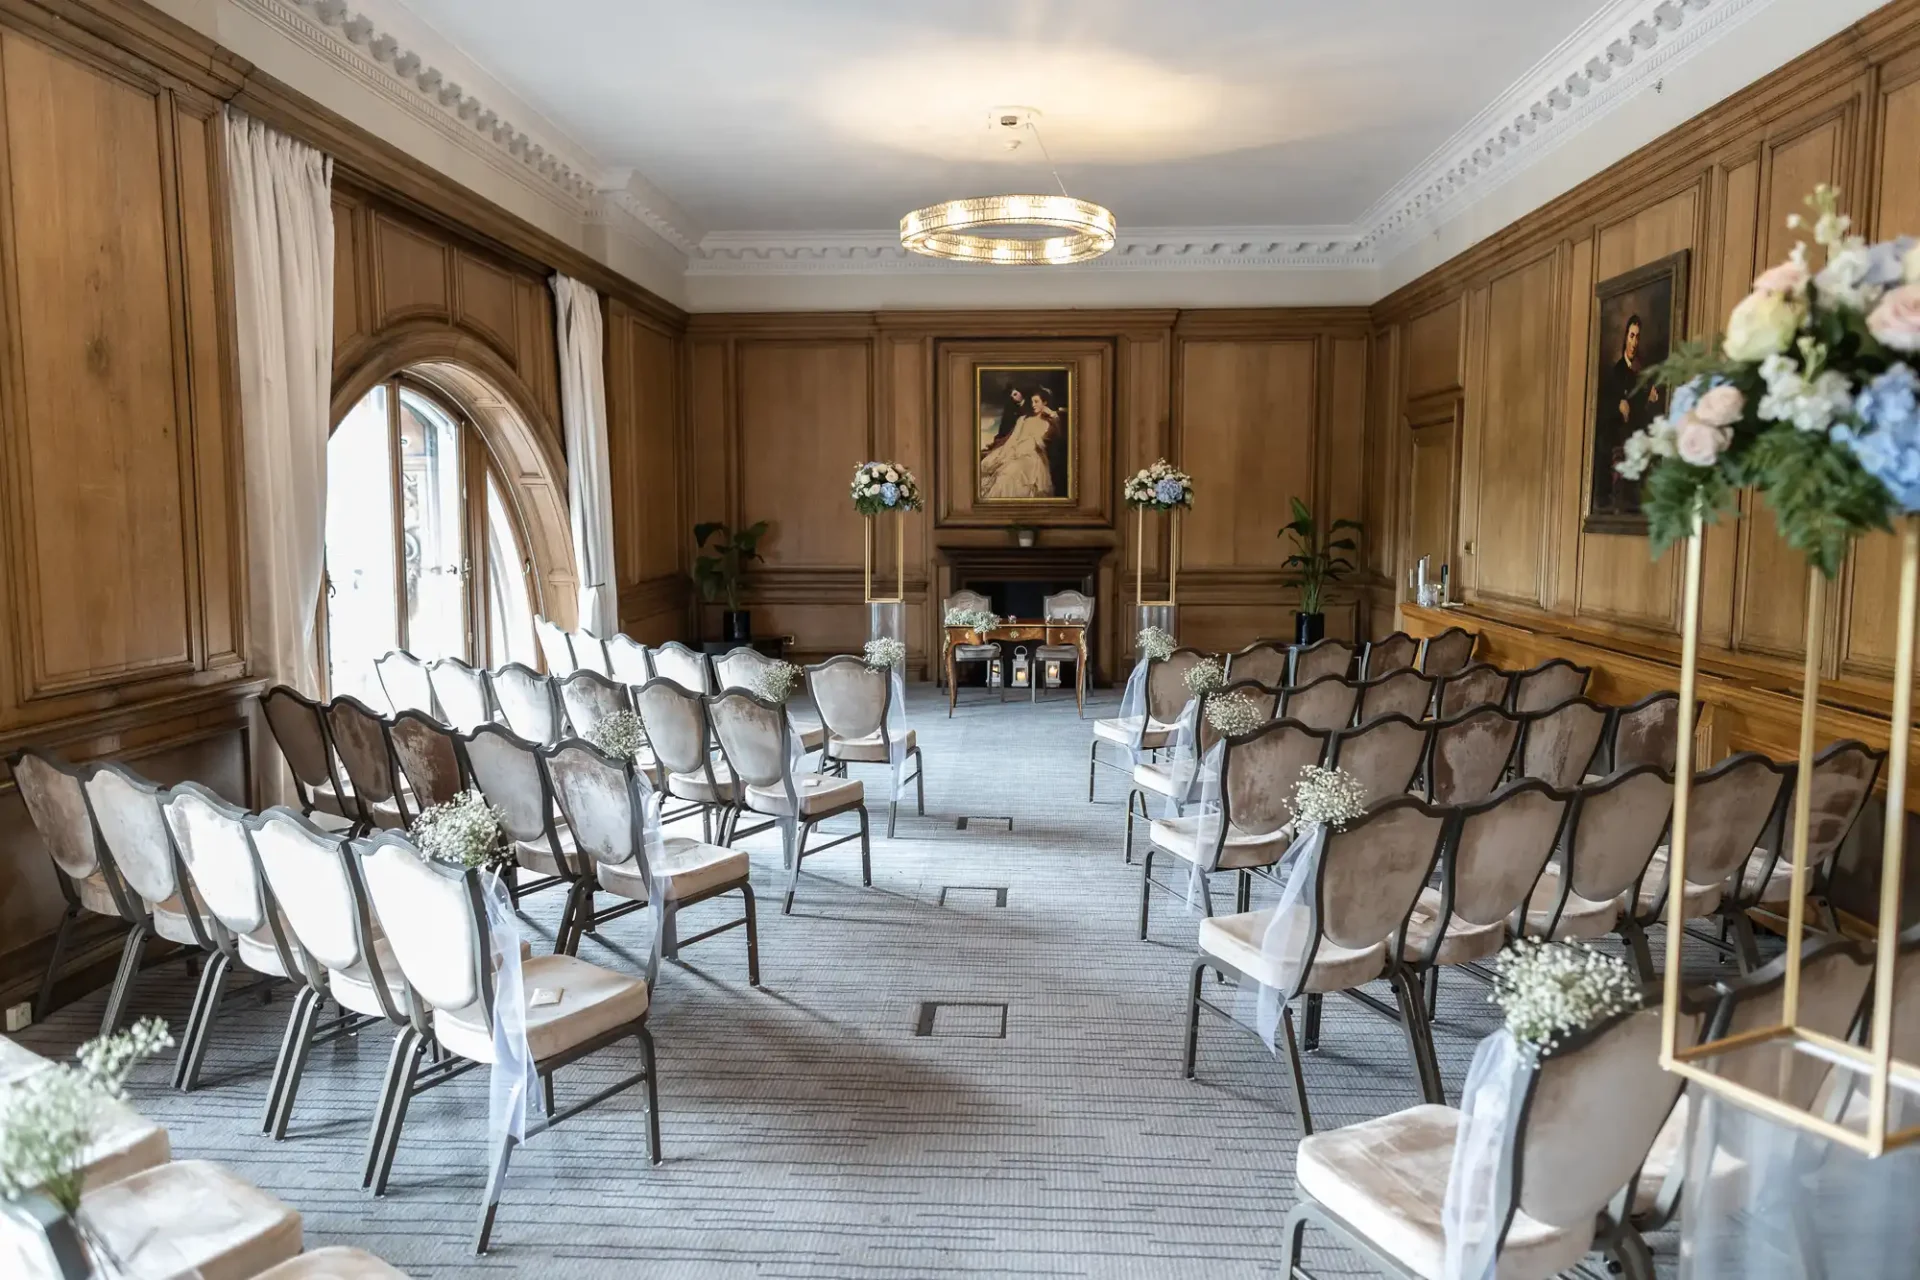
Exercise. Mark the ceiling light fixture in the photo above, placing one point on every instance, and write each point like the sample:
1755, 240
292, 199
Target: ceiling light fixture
1012, 230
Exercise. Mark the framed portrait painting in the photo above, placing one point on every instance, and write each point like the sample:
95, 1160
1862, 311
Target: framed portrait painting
1637, 318
1023, 418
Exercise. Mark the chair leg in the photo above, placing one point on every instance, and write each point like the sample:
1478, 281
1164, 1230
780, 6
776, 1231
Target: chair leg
1310, 1028
1431, 996
1193, 1018
1414, 1023
289, 1047
1746, 949
1093, 761
383, 1111
753, 937
1298, 1077
496, 1183
1243, 898
121, 992
1127, 845
43, 1001
290, 1087
797, 852
403, 1094
1642, 951
653, 1094
893, 814
919, 783
1296, 1230
866, 849
1146, 888
206, 1003
1630, 1251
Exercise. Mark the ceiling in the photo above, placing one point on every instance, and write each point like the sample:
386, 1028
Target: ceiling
839, 115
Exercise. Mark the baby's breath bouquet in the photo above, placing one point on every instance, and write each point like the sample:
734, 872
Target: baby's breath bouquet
1232, 714
778, 681
50, 1118
973, 619
620, 735
1205, 676
885, 653
1549, 990
1326, 797
1154, 644
466, 831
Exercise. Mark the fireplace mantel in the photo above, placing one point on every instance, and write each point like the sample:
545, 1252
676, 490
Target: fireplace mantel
1087, 567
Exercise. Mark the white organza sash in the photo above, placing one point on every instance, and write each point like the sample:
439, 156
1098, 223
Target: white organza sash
1489, 1106
512, 1087
1286, 936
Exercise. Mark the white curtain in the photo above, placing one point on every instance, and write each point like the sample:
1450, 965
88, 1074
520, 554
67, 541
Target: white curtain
283, 301
583, 406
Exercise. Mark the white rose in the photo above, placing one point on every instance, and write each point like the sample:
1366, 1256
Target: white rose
1762, 325
892, 474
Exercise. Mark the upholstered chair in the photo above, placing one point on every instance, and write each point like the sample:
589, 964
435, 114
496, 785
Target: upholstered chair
740, 668
1559, 745
1268, 662
1353, 917
1064, 606
758, 742
405, 681
590, 653
1446, 653
510, 773
1548, 685
604, 803
1328, 657
1478, 685
556, 648
1396, 652
429, 759
359, 735
1383, 755
681, 738
315, 882
1156, 781
436, 924
529, 702
1401, 692
461, 692
1588, 1111
1253, 827
299, 728
122, 1141
335, 1262
964, 654
1646, 732
1166, 698
853, 700
1470, 755
55, 795
685, 667
627, 661
1326, 703
589, 698
1612, 832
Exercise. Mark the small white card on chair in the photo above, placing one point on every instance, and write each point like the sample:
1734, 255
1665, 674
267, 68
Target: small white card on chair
544, 995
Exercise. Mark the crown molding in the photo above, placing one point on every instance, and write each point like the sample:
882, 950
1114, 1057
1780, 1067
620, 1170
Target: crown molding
1144, 249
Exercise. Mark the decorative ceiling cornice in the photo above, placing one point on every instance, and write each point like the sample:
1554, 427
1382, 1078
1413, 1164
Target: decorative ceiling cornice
1189, 248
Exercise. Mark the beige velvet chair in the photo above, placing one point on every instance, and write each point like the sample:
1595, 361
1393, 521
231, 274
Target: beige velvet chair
1155, 781
512, 774
627, 661
123, 1141
964, 654
1470, 754
1559, 745
299, 728
1446, 653
359, 735
1478, 685
589, 698
336, 1262
1616, 825
1327, 703
529, 702
1646, 732
429, 759
1064, 606
1403, 692
1166, 698
404, 679
853, 700
685, 667
1383, 755
1396, 652
1322, 658
556, 648
1548, 685
460, 691
738, 669
590, 653
681, 741
1267, 662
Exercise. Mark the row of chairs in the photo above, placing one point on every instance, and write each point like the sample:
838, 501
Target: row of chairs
1280, 662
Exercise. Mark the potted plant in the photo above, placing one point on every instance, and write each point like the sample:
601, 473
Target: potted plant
719, 575
1316, 564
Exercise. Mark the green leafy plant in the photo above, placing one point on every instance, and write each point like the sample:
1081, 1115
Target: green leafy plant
1317, 561
719, 574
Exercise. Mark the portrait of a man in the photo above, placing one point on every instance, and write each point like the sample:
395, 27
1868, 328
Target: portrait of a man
1636, 317
1025, 446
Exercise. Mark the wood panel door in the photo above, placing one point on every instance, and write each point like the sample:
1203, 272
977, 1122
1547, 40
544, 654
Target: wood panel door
1433, 489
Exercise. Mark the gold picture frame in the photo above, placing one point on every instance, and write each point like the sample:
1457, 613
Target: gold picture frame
1000, 392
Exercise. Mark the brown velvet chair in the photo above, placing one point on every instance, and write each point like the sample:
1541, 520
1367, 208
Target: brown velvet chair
1384, 755
1616, 825
1470, 754
1167, 697
1559, 745
1268, 662
1404, 692
1446, 653
1548, 685
1478, 685
1156, 781
1396, 652
1326, 703
1328, 657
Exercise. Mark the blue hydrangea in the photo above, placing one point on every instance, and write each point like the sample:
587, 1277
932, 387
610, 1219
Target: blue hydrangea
1685, 396
1888, 441
889, 493
1886, 261
1169, 492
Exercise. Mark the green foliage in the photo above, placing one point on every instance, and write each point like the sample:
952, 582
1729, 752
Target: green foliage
719, 575
1316, 562
1674, 492
1822, 498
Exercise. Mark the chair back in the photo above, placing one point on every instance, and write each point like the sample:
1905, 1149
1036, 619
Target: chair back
359, 734
1404, 692
1258, 771
528, 702
306, 868
299, 726
1618, 824
1548, 685
590, 697
685, 667
461, 690
1267, 662
1167, 693
1326, 704
217, 849
56, 798
1384, 657
1647, 732
1373, 869
677, 729
1499, 848
1066, 606
1328, 657
1834, 976
404, 679
1843, 778
433, 919
429, 756
126, 808
510, 774
1383, 755
1731, 805
753, 734
596, 795
850, 696
556, 648
1447, 652
590, 653
1470, 755
627, 660
1476, 686
741, 668
969, 600
1557, 746
1265, 698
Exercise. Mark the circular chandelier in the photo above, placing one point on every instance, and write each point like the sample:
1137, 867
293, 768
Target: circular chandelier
1012, 230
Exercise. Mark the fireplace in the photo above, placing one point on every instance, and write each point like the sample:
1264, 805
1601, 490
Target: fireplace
1017, 579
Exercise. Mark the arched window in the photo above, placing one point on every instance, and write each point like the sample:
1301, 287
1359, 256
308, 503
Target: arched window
443, 570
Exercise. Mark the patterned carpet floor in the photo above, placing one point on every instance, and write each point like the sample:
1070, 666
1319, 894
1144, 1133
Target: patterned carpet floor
808, 1130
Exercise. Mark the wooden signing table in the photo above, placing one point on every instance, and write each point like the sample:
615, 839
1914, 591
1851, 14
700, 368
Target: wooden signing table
1014, 631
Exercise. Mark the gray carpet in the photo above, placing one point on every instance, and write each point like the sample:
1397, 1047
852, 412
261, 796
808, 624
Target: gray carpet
808, 1131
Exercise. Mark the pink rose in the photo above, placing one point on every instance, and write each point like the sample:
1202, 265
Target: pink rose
1700, 443
1720, 407
1788, 277
1896, 320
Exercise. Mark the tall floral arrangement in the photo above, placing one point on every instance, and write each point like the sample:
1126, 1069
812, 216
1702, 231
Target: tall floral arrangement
879, 487
1811, 397
1160, 487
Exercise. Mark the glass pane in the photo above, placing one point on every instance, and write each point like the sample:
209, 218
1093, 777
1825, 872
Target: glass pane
509, 611
432, 529
362, 612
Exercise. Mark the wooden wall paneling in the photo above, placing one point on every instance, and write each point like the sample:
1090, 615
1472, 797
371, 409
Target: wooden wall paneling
1382, 457
1508, 454
905, 434
1435, 351
1343, 431
1433, 485
1244, 428
644, 446
1466, 445
413, 272
484, 300
805, 409
1145, 435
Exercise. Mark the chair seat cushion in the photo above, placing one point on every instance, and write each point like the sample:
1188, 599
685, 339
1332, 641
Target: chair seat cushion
18, 1061
537, 856
1579, 918
170, 922
1465, 941
1778, 881
1387, 1178
592, 1000
1154, 778
1127, 733
689, 867
1701, 900
819, 794
1668, 1149
1182, 837
723, 788
812, 735
1056, 653
868, 750
335, 1263
353, 988
96, 896
326, 800
192, 1216
1237, 940
258, 953
975, 652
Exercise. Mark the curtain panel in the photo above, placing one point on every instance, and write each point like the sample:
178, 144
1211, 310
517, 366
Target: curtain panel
583, 409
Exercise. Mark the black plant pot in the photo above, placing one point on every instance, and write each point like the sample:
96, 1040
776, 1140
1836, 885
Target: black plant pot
737, 624
1309, 628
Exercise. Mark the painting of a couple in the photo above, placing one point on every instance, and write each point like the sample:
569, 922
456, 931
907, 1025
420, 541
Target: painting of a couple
1025, 446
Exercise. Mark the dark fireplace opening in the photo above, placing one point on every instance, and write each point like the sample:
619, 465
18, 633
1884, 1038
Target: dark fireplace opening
1022, 599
